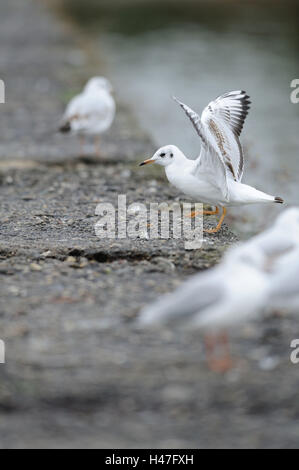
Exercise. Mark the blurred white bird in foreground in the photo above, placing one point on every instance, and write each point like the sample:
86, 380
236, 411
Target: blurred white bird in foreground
281, 239
213, 300
283, 262
285, 284
215, 176
92, 112
253, 276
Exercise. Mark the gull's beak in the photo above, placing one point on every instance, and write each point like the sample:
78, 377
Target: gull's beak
147, 162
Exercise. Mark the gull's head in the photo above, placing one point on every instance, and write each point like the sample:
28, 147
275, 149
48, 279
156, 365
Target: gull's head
165, 156
97, 84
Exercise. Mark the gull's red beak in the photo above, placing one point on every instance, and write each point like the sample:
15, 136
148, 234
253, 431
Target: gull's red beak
147, 162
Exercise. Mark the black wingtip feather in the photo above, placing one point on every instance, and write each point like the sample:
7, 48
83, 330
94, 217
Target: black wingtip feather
279, 200
245, 106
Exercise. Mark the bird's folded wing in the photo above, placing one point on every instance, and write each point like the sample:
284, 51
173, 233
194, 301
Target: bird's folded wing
74, 108
210, 161
87, 110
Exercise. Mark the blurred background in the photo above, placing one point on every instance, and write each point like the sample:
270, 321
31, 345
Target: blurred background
198, 50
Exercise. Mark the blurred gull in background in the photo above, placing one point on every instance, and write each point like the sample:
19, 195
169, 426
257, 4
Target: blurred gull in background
91, 112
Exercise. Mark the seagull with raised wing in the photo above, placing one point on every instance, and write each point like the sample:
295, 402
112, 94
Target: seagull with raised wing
215, 176
92, 111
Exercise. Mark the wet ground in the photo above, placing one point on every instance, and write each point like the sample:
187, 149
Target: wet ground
78, 373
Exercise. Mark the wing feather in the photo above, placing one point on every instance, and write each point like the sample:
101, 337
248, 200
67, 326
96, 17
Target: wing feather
223, 120
219, 128
210, 160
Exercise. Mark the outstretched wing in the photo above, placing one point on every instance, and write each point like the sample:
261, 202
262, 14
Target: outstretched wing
223, 120
210, 160
220, 126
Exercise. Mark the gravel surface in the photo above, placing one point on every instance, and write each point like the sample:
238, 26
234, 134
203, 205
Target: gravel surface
78, 372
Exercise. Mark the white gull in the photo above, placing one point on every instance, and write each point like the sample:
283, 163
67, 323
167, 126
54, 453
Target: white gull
215, 176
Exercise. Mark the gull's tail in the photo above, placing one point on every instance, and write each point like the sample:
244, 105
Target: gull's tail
65, 127
249, 195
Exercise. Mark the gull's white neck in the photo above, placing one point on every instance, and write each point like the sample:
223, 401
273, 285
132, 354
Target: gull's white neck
178, 167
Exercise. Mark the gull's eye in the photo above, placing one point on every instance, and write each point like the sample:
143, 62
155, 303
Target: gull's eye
162, 155
171, 155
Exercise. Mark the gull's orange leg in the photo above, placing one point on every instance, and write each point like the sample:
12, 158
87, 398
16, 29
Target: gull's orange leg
97, 146
82, 144
226, 362
215, 212
195, 213
221, 362
210, 345
216, 229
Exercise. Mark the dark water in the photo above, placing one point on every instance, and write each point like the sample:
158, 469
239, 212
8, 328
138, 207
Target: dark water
197, 52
